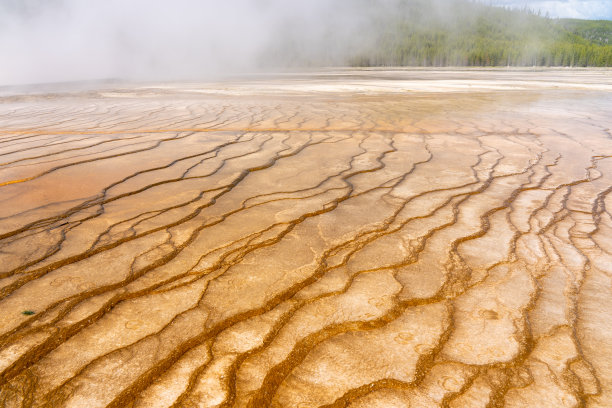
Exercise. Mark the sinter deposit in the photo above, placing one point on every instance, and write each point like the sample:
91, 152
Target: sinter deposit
333, 239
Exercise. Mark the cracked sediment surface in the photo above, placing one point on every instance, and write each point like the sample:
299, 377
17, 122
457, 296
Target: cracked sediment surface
356, 239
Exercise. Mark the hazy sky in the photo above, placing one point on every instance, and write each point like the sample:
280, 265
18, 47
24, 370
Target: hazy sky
589, 9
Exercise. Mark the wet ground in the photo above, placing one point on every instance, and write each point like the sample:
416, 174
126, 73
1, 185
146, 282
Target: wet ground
334, 239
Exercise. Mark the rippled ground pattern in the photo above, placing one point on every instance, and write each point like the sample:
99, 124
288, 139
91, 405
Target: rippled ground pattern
307, 246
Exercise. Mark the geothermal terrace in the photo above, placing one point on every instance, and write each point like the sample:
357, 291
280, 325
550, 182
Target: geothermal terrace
350, 239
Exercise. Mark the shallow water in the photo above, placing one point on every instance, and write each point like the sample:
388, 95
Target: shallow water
345, 238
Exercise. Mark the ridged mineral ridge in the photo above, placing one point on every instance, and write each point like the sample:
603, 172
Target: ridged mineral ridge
338, 239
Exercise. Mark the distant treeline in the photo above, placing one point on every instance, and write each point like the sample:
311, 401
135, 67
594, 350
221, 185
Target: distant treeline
466, 33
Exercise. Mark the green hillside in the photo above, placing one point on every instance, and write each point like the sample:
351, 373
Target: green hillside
464, 33
596, 31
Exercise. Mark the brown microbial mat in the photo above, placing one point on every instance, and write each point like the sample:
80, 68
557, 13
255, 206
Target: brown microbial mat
332, 239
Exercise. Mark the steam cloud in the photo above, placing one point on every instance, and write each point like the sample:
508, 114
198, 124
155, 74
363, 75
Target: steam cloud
65, 40
71, 40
